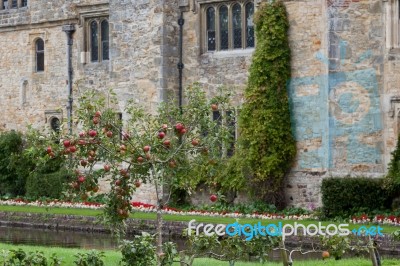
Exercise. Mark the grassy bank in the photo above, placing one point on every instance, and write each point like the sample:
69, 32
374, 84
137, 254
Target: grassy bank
112, 258
168, 217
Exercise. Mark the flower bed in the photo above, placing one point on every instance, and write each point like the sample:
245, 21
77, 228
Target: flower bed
379, 219
144, 207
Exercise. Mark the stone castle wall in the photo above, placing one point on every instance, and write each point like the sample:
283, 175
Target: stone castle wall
343, 90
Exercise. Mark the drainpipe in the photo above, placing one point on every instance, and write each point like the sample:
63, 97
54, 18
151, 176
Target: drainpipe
181, 21
69, 30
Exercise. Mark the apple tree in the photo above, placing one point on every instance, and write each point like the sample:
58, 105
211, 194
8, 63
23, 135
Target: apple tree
174, 147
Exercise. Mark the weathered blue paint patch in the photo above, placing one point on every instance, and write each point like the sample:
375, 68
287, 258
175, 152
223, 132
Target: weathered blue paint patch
332, 112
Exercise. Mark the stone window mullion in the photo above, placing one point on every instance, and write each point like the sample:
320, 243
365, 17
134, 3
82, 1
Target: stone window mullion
1, 4
19, 3
230, 27
100, 50
218, 26
243, 6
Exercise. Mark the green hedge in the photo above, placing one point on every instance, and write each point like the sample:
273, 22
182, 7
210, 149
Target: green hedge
344, 197
46, 185
11, 146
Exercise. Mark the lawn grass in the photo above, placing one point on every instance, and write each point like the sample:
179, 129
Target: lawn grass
387, 229
112, 258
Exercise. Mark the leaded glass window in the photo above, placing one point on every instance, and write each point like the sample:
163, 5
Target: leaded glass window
99, 40
39, 46
228, 25
249, 25
105, 40
224, 28
210, 29
94, 42
24, 3
237, 26
14, 3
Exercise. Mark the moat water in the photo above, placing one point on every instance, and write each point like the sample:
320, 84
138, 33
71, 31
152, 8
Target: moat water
100, 241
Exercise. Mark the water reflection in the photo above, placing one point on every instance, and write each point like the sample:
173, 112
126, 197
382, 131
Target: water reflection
70, 239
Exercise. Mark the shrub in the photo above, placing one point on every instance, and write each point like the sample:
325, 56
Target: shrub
343, 197
11, 183
92, 258
266, 145
48, 185
392, 181
140, 251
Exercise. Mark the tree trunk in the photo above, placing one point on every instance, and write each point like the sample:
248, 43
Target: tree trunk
372, 256
159, 235
283, 253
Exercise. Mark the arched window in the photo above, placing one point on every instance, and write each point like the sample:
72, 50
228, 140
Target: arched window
39, 47
94, 41
237, 26
99, 40
55, 124
210, 29
249, 25
105, 40
224, 27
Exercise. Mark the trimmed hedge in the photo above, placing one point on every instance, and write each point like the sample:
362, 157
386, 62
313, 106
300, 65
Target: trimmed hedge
46, 185
344, 197
12, 180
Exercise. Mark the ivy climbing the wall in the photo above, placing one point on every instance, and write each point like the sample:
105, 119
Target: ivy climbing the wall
266, 145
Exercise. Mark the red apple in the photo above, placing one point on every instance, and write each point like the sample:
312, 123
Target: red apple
92, 153
167, 143
75, 185
146, 148
96, 120
195, 142
97, 114
109, 134
161, 134
72, 149
183, 131
124, 172
84, 163
82, 134
140, 159
82, 142
148, 156
118, 182
84, 196
125, 136
90, 159
92, 133
107, 168
81, 179
67, 143
164, 127
213, 198
172, 164
214, 107
49, 149
325, 255
122, 147
137, 183
179, 126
